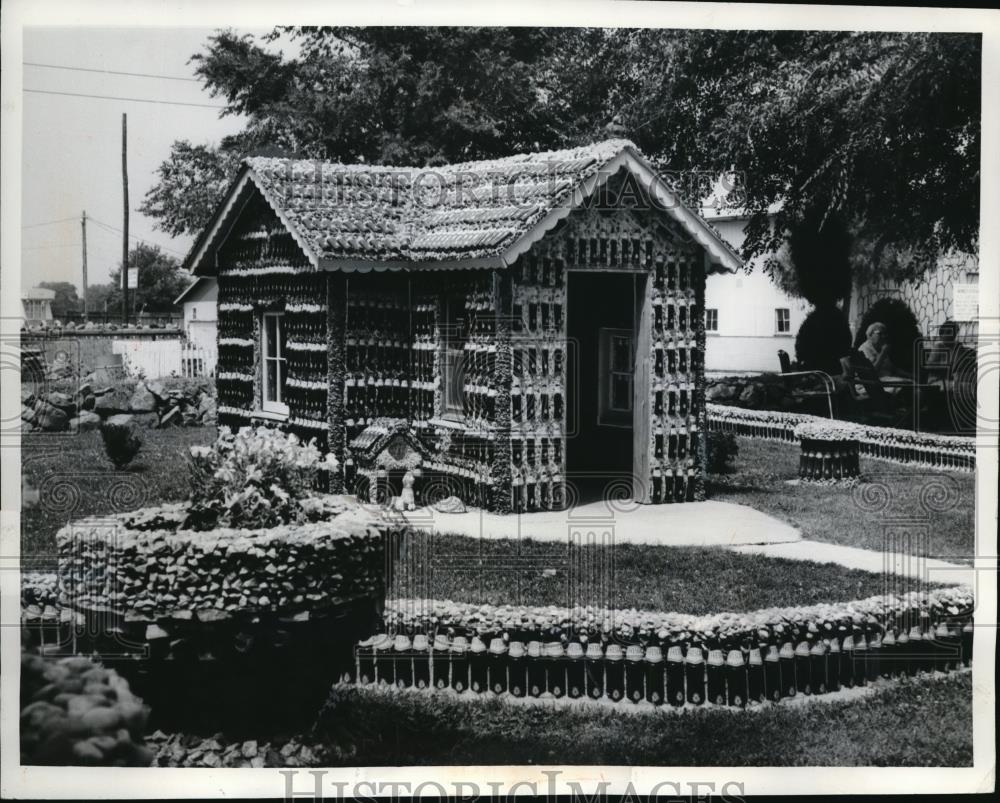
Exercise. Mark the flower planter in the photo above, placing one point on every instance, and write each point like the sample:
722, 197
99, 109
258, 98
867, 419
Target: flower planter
829, 459
251, 625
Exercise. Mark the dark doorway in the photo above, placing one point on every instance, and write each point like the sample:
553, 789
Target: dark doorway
601, 328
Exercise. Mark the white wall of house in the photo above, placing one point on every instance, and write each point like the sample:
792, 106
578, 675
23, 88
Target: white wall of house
201, 314
747, 338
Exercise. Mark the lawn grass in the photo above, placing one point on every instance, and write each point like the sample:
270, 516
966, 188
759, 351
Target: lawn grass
694, 580
838, 514
919, 722
74, 478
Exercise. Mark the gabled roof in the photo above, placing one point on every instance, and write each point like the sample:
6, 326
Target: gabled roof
197, 284
472, 214
38, 294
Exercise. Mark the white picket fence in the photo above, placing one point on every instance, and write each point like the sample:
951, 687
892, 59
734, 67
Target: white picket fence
155, 359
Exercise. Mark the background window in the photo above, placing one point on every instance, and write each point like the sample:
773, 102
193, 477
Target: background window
617, 371
453, 337
783, 320
273, 354
711, 320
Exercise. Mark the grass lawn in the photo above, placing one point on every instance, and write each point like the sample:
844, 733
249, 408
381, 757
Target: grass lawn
827, 513
74, 479
920, 722
695, 580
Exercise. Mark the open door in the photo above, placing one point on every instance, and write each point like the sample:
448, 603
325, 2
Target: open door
642, 436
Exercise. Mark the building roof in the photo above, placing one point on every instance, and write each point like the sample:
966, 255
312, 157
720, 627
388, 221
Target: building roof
38, 294
198, 284
471, 214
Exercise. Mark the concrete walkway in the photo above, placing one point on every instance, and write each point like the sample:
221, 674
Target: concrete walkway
702, 524
929, 570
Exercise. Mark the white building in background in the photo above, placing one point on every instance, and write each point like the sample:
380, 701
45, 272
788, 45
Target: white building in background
748, 318
201, 318
36, 303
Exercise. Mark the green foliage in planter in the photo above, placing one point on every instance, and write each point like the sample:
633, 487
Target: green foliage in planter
722, 452
256, 477
122, 441
75, 712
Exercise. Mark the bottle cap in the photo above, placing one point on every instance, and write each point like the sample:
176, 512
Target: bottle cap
574, 649
441, 642
594, 651
382, 642
694, 655
802, 648
915, 633
477, 645
818, 648
848, 643
735, 658
534, 649
516, 650
675, 654
401, 643
861, 643
613, 653
941, 631
902, 638
420, 642
715, 658
786, 650
755, 659
554, 649
497, 646
633, 652
459, 644
772, 653
654, 655
889, 640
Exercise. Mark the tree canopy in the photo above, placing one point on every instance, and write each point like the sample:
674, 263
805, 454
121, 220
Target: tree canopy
161, 280
66, 299
878, 129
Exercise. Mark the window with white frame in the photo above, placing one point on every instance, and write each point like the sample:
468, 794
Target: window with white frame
274, 367
711, 320
616, 361
782, 320
453, 336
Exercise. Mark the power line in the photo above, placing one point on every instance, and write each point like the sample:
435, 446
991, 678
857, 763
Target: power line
128, 100
48, 223
110, 72
116, 230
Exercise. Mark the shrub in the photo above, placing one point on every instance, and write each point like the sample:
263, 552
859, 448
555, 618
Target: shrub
904, 331
254, 478
122, 441
822, 340
75, 712
722, 451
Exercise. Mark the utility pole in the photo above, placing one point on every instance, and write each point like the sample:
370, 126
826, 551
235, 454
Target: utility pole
125, 221
83, 225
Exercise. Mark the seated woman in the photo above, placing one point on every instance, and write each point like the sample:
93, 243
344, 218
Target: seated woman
876, 350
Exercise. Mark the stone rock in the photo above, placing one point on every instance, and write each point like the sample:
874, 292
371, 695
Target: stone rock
249, 749
84, 390
51, 419
156, 388
114, 400
121, 420
142, 400
27, 397
28, 414
753, 396
87, 421
450, 504
61, 400
146, 419
27, 426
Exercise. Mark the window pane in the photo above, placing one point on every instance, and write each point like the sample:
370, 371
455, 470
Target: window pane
621, 354
621, 392
270, 381
281, 368
269, 332
279, 325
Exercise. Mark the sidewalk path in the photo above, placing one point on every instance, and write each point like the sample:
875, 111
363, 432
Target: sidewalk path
703, 524
930, 570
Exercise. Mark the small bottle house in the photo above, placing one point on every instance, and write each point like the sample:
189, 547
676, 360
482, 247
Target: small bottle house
524, 333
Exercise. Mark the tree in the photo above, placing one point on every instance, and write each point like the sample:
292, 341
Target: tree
161, 280
881, 129
66, 299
